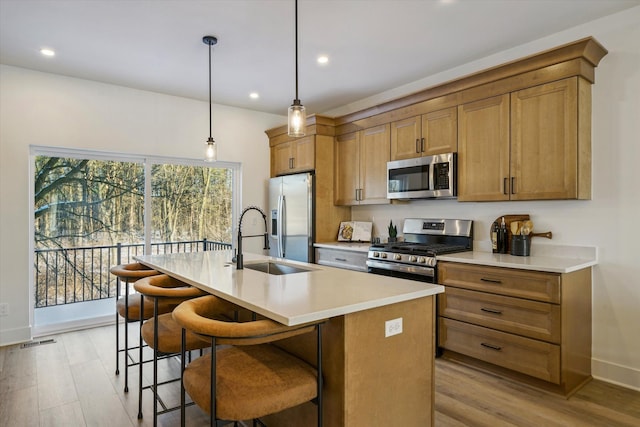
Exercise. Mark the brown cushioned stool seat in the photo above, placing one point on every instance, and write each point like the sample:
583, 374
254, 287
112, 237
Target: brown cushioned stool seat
250, 378
251, 381
161, 332
128, 307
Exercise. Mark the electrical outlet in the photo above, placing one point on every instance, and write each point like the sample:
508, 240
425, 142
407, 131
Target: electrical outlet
393, 327
4, 309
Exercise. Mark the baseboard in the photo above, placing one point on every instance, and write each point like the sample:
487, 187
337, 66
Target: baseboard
624, 376
73, 325
15, 336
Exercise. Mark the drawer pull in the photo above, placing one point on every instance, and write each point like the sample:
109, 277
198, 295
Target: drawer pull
341, 259
484, 279
491, 346
491, 310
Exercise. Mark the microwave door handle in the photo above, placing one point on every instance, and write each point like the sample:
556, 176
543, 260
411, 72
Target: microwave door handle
432, 177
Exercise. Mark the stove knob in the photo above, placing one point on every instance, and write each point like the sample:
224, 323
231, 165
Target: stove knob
413, 258
376, 254
431, 261
383, 255
397, 257
422, 260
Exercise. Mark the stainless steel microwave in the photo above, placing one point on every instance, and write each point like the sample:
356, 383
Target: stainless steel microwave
423, 177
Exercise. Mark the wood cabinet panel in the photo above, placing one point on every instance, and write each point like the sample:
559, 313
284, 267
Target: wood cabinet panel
544, 141
440, 132
483, 156
532, 319
347, 170
405, 138
361, 167
533, 285
374, 155
538, 359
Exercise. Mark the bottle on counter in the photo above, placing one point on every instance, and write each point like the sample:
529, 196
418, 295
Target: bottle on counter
503, 238
494, 237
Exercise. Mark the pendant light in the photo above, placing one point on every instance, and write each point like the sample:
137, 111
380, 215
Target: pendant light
211, 149
297, 116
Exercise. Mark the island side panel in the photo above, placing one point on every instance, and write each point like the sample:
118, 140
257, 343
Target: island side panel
390, 380
304, 347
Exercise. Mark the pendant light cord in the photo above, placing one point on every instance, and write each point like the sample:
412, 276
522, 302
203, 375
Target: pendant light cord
210, 118
296, 11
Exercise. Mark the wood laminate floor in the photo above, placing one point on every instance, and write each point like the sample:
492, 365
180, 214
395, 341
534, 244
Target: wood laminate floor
72, 382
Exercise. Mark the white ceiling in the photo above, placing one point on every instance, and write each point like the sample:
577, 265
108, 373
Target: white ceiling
373, 45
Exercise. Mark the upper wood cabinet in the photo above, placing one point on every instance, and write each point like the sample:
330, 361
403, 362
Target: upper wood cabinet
433, 133
361, 167
483, 156
548, 160
293, 156
532, 144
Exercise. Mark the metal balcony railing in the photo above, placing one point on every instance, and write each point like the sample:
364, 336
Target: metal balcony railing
70, 275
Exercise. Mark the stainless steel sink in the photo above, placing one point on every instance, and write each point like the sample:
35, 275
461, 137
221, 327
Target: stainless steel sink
275, 268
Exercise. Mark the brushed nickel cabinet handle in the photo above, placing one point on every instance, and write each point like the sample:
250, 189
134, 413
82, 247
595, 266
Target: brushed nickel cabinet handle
417, 145
491, 310
504, 187
491, 346
513, 185
341, 259
422, 145
484, 279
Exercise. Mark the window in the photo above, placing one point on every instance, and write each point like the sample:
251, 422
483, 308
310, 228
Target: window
93, 210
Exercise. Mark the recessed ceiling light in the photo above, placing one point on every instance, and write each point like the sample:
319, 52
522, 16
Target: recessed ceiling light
47, 52
323, 59
254, 95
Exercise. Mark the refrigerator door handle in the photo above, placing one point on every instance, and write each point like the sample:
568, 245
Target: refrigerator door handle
280, 230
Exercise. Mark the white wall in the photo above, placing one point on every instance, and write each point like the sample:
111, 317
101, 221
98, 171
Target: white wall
49, 110
606, 222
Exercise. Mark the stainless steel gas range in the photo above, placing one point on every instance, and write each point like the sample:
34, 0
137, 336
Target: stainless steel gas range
424, 239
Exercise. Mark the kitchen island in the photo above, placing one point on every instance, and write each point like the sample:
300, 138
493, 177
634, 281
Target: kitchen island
376, 372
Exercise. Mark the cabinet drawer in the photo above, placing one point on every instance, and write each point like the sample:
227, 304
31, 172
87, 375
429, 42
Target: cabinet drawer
534, 285
533, 319
342, 259
528, 356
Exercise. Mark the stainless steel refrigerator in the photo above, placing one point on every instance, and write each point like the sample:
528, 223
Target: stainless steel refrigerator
291, 210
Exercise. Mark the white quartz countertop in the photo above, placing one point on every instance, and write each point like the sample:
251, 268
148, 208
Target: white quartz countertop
292, 299
345, 246
544, 262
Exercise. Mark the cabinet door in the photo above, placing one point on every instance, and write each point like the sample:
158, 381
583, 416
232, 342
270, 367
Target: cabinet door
440, 132
483, 150
304, 154
280, 158
347, 160
544, 141
405, 139
374, 155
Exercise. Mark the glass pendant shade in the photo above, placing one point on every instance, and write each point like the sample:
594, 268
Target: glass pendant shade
211, 151
297, 119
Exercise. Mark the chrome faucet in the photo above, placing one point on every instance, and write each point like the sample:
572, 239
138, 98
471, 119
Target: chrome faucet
239, 258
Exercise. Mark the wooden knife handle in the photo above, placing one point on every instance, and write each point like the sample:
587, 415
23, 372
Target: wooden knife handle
548, 235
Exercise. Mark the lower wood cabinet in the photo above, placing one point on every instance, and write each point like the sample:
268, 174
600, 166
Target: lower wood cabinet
529, 325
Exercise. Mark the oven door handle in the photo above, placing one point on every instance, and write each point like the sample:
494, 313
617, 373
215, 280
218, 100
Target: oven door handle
419, 270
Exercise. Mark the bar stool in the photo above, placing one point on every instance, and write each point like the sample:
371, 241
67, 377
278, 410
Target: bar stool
250, 378
129, 310
163, 334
